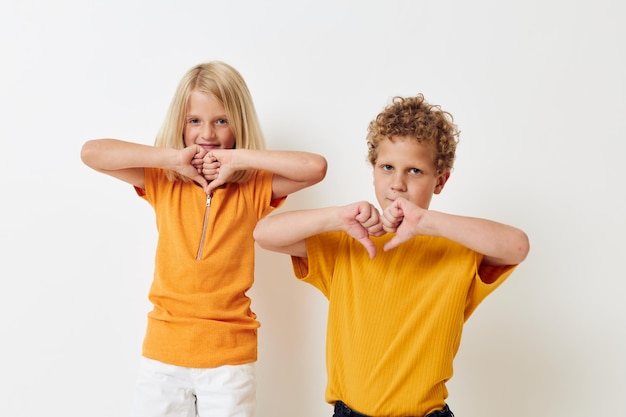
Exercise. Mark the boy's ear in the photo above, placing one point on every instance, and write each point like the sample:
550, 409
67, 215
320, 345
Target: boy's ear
441, 181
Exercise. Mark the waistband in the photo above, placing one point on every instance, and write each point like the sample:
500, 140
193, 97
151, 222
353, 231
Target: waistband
342, 410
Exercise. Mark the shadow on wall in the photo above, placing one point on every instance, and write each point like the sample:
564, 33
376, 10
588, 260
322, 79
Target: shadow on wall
291, 365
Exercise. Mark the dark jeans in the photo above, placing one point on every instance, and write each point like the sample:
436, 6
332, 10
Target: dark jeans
342, 410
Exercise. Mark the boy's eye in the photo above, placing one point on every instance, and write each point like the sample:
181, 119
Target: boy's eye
386, 167
415, 171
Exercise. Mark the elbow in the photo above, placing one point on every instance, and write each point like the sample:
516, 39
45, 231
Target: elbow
258, 234
319, 168
515, 250
87, 152
522, 247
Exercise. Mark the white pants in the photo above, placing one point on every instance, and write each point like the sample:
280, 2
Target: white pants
164, 390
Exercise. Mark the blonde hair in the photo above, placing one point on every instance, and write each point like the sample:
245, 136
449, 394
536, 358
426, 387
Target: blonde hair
414, 117
227, 85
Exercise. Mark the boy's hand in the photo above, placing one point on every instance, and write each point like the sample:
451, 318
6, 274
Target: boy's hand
402, 218
362, 220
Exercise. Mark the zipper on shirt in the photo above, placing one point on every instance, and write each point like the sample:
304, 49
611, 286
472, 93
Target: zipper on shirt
204, 226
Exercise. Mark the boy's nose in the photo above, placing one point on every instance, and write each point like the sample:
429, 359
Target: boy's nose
398, 183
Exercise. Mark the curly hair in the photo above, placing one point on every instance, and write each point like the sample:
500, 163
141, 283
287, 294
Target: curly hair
414, 117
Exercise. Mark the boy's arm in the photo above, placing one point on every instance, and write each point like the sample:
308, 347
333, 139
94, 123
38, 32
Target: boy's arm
500, 244
293, 170
126, 160
287, 232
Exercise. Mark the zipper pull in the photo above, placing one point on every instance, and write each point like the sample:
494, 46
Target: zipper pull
208, 200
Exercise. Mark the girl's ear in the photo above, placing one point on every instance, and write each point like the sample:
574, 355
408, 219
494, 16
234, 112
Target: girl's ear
441, 181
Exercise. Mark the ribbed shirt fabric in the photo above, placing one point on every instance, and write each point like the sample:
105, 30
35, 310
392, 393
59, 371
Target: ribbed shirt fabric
202, 316
395, 321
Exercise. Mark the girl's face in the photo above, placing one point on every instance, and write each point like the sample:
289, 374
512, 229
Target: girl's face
406, 168
206, 123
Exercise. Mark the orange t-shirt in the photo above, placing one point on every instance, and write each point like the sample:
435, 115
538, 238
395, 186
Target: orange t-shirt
202, 316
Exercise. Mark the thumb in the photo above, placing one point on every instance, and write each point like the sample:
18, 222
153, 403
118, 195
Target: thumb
392, 243
212, 186
199, 179
369, 246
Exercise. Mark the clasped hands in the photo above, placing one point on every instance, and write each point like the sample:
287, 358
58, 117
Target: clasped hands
208, 168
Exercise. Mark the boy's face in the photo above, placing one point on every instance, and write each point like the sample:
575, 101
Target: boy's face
206, 123
406, 168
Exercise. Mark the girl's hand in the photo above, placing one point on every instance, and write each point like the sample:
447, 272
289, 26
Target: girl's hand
210, 167
198, 159
190, 164
219, 165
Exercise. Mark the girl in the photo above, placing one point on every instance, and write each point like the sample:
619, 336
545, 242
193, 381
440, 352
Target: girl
209, 181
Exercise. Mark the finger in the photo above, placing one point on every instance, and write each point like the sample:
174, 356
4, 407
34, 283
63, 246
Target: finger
362, 214
199, 179
367, 210
394, 242
210, 172
197, 164
376, 229
378, 232
209, 188
390, 229
200, 152
371, 221
369, 246
391, 225
214, 184
210, 165
393, 211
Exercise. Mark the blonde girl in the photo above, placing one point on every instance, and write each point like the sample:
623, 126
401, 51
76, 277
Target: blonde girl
209, 180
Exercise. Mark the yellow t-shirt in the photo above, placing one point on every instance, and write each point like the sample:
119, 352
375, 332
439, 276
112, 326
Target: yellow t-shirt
201, 316
395, 321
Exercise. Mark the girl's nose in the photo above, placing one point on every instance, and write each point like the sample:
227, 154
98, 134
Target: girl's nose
208, 132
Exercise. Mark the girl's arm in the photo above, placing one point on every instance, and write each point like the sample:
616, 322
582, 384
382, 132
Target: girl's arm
126, 160
287, 232
293, 170
500, 244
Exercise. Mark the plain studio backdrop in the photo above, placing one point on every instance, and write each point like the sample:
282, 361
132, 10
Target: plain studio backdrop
536, 87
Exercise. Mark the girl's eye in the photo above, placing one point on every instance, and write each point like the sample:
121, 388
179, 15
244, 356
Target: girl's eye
222, 122
194, 121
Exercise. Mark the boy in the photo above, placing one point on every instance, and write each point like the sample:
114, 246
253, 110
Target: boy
397, 308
